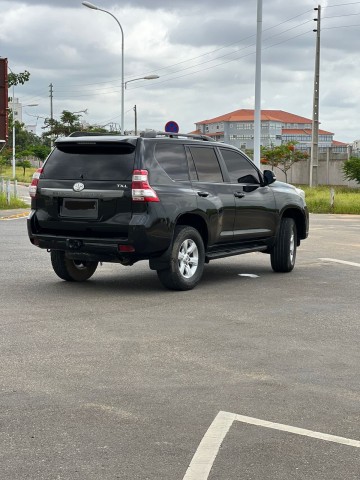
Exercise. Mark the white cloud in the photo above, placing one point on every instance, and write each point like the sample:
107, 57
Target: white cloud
204, 53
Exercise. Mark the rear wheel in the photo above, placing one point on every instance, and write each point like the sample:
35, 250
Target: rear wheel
71, 270
186, 260
283, 253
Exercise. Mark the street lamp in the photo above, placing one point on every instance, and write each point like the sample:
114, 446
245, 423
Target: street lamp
13, 132
148, 77
94, 7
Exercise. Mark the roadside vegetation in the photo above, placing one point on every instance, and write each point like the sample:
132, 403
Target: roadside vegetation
14, 203
32, 150
320, 199
20, 176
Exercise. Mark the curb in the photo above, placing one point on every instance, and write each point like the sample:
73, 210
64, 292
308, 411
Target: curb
5, 215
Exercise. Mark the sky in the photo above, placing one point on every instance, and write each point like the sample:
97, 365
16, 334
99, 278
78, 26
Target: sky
203, 53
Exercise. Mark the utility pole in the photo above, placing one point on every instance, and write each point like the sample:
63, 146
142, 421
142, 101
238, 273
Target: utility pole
314, 156
51, 113
135, 112
257, 111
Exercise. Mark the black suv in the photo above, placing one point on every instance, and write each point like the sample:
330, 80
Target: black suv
175, 200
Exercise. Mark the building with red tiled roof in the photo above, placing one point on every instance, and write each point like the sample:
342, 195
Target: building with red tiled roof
277, 127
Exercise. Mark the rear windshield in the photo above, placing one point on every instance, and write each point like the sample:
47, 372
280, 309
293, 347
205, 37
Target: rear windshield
106, 161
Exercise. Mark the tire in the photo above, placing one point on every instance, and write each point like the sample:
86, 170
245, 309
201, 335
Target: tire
283, 254
187, 259
71, 270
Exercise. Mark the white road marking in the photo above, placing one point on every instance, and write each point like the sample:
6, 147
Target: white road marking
206, 452
208, 449
340, 261
251, 275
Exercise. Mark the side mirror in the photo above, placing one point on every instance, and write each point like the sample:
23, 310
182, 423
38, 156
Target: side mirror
269, 177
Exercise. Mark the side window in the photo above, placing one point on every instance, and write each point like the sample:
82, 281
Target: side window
206, 164
172, 159
239, 168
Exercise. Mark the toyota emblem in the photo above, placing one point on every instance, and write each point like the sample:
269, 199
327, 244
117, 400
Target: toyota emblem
78, 187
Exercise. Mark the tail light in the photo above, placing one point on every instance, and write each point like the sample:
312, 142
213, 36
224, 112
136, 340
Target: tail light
140, 188
34, 182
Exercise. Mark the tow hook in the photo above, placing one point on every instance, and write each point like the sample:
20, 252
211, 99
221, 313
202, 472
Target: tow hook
73, 244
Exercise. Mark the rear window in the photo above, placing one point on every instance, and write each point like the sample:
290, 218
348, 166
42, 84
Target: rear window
105, 161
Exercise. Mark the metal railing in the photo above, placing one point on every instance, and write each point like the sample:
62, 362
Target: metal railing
5, 188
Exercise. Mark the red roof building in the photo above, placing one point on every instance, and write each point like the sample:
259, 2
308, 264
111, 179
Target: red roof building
277, 126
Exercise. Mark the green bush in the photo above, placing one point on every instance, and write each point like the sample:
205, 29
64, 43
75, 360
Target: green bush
351, 169
14, 202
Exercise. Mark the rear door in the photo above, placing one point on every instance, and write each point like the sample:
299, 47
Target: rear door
85, 187
215, 198
255, 204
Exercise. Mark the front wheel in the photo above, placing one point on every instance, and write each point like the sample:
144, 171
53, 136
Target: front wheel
186, 260
283, 253
71, 270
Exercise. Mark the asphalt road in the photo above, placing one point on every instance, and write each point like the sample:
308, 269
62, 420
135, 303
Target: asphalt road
118, 378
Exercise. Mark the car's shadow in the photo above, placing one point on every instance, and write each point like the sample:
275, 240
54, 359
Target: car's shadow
131, 281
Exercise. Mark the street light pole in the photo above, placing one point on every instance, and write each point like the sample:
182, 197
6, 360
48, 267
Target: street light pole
94, 7
148, 77
13, 132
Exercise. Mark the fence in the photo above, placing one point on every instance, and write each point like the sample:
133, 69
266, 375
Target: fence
5, 188
327, 172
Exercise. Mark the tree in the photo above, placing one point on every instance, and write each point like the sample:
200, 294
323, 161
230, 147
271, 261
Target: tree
24, 139
24, 163
40, 151
69, 122
351, 169
18, 78
282, 156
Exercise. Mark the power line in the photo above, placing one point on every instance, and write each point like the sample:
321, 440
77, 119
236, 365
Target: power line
206, 61
207, 53
341, 26
203, 69
342, 4
346, 15
202, 63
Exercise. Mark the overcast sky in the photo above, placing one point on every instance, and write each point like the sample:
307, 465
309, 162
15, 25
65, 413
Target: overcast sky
204, 53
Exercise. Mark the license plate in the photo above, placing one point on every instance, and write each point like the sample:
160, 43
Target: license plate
79, 208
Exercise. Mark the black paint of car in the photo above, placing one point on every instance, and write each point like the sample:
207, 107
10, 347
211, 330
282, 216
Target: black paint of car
175, 200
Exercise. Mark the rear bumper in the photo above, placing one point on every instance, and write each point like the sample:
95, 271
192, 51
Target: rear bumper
146, 239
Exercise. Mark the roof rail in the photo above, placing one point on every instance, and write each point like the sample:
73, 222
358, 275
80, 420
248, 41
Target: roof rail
91, 134
154, 134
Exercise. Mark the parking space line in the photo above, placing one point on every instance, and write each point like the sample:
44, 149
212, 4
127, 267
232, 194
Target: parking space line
353, 264
208, 449
206, 452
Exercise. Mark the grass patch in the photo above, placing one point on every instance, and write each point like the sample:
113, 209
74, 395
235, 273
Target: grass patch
347, 200
14, 202
6, 172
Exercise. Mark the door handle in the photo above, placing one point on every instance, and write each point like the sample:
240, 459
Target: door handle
239, 194
202, 193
